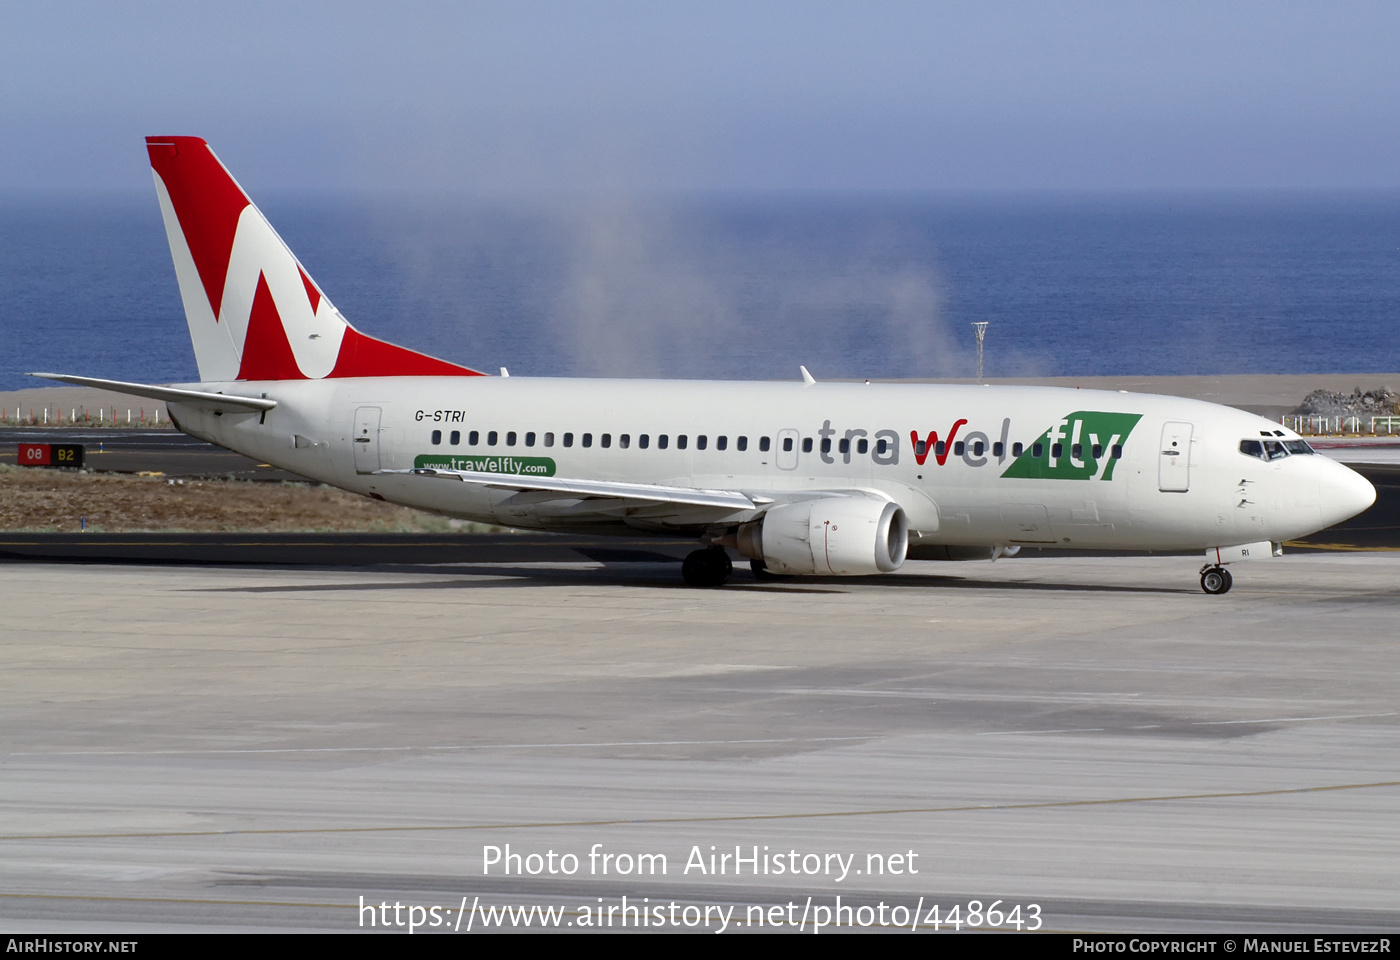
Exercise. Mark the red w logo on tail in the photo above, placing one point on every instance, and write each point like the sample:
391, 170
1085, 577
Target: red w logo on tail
253, 312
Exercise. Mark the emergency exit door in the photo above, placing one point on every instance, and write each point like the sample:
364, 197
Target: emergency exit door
366, 440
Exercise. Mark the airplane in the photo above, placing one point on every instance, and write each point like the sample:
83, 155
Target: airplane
799, 478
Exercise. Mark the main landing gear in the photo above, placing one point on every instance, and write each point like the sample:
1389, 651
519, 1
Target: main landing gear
709, 567
1216, 579
761, 571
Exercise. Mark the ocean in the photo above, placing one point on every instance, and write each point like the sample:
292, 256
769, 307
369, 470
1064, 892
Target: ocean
750, 287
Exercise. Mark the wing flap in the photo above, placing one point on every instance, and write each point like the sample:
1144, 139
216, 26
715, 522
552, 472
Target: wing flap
570, 489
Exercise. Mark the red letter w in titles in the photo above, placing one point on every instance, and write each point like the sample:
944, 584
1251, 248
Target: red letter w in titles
931, 444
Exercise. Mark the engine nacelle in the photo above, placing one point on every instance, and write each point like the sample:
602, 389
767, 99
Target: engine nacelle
841, 536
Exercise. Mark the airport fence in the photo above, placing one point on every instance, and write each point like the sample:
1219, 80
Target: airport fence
1347, 424
54, 416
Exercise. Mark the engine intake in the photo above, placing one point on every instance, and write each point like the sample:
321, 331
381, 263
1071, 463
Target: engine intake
840, 536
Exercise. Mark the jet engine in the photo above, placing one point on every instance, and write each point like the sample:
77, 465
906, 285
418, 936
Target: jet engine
841, 536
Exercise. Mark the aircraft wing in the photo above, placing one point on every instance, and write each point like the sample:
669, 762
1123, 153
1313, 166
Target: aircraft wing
541, 489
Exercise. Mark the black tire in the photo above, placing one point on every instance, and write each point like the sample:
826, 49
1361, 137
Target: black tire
707, 568
1217, 580
761, 571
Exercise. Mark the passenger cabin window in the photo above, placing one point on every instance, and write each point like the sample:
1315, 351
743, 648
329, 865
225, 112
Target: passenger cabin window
998, 449
588, 439
721, 443
701, 441
1076, 451
764, 444
787, 444
455, 437
881, 446
977, 447
1096, 451
862, 446
680, 442
474, 437
1118, 451
510, 439
742, 443
1057, 450
548, 440
826, 444
643, 441
606, 440
529, 439
662, 441
491, 439
624, 441
568, 439
844, 445
920, 448
437, 436
1017, 449
940, 448
806, 444
1037, 450
959, 448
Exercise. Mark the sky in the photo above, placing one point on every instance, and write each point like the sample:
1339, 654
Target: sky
525, 98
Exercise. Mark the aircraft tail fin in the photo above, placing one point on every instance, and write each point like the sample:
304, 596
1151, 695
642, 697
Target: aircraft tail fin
253, 311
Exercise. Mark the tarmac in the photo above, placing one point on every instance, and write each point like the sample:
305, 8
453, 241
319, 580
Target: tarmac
245, 748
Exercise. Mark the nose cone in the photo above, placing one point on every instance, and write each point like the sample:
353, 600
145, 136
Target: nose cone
1345, 493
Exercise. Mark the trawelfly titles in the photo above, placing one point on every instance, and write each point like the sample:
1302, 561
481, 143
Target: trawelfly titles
715, 863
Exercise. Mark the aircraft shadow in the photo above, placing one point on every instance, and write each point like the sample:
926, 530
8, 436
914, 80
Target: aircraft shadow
667, 579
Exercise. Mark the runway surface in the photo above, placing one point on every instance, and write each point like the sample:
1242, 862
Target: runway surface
257, 748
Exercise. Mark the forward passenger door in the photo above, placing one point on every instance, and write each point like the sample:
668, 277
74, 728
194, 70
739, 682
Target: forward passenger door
1174, 460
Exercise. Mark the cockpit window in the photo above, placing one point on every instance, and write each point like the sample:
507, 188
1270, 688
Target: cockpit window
1274, 449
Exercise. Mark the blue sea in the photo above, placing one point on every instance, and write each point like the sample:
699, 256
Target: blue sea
750, 287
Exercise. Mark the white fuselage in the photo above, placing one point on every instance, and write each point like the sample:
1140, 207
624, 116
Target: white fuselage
1008, 465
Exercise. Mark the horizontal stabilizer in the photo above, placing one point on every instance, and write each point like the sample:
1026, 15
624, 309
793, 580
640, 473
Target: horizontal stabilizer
198, 398
656, 493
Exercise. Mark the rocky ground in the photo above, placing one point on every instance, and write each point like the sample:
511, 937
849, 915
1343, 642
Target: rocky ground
1379, 402
38, 499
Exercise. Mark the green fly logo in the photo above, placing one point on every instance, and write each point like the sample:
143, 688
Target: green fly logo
1082, 446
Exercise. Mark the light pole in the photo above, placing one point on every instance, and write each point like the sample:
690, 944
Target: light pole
981, 327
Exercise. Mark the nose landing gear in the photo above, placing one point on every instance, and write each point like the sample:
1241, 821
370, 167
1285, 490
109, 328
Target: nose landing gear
1216, 579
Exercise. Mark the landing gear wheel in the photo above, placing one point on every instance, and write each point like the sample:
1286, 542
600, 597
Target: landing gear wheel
761, 571
1216, 580
707, 568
